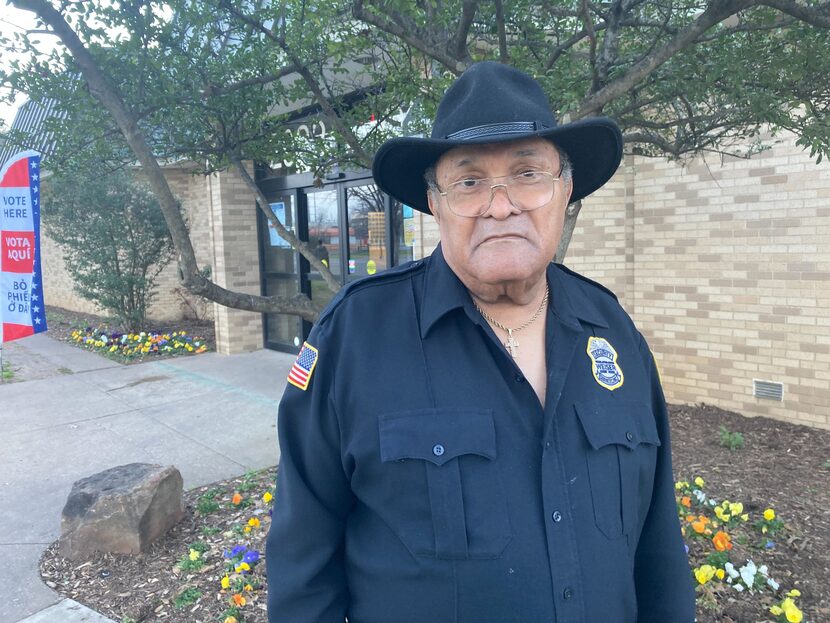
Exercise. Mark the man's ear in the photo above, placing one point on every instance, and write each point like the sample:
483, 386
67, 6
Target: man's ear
432, 206
569, 188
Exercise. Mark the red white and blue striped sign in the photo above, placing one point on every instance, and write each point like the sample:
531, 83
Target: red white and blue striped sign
21, 288
301, 371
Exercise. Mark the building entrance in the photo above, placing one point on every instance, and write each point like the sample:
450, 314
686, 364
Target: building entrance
352, 227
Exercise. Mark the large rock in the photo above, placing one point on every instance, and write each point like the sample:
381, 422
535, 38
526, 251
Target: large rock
121, 510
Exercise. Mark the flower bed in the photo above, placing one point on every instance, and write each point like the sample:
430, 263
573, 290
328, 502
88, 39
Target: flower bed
131, 346
723, 543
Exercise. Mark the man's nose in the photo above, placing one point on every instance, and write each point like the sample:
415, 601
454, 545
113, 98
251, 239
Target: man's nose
500, 204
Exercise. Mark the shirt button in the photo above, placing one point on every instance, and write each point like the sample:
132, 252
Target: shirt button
438, 449
556, 516
568, 593
547, 444
520, 378
630, 436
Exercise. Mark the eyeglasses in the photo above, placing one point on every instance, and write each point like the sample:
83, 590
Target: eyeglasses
471, 197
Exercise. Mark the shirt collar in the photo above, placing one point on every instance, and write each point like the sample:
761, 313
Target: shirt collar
444, 292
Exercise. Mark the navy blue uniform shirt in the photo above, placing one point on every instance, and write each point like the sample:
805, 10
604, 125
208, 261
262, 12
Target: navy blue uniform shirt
422, 481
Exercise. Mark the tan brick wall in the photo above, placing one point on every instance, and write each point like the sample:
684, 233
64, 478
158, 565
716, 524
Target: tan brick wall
192, 190
725, 268
235, 261
731, 267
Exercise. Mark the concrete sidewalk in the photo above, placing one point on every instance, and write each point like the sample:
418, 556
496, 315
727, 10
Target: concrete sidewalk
212, 416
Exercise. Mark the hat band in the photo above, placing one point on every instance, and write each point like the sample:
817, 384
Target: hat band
495, 129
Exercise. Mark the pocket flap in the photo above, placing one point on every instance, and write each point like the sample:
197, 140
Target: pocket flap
436, 436
621, 423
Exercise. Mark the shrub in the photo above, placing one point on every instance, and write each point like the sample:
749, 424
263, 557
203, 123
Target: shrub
115, 239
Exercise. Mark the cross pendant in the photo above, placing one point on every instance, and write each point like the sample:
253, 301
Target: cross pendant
511, 344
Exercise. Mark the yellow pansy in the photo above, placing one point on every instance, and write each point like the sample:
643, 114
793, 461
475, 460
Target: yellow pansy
745, 517
720, 573
776, 610
194, 554
253, 522
769, 514
736, 508
248, 588
230, 619
794, 593
791, 611
226, 582
699, 482
242, 566
267, 497
704, 573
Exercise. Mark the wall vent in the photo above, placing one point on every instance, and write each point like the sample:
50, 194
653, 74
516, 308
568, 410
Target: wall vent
768, 390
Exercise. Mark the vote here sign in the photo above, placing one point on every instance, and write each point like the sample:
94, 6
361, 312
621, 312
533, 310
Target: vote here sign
21, 291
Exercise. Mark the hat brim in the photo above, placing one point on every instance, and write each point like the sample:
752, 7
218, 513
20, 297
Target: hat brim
594, 146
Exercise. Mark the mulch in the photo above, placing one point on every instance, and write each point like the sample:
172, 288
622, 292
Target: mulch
781, 465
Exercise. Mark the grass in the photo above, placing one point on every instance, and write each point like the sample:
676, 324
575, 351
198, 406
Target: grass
7, 374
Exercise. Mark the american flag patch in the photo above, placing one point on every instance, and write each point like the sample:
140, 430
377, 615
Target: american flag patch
300, 373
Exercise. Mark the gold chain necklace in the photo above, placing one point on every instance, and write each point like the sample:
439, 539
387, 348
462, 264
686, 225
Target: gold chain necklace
511, 344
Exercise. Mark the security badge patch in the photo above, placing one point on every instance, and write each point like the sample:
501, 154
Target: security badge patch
303, 368
604, 364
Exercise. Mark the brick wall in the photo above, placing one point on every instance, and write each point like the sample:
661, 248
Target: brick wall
725, 267
235, 261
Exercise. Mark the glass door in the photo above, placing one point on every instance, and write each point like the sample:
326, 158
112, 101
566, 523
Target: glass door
325, 239
368, 251
280, 273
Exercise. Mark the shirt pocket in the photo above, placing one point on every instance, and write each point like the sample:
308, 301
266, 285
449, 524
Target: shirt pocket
452, 503
621, 459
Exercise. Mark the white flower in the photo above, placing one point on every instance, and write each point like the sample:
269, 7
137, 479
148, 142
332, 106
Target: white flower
773, 584
748, 573
763, 570
730, 570
699, 496
739, 588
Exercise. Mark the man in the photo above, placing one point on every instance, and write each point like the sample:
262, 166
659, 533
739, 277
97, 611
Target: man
480, 436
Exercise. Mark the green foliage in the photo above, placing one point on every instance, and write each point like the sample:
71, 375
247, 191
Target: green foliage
717, 559
731, 440
114, 237
199, 546
187, 597
248, 482
7, 373
207, 503
187, 563
206, 76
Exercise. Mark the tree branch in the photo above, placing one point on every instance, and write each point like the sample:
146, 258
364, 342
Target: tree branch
610, 42
588, 24
503, 56
284, 233
818, 16
654, 139
363, 156
108, 94
455, 66
716, 12
211, 90
468, 13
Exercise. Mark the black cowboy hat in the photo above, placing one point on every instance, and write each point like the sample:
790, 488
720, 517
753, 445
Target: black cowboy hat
494, 103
